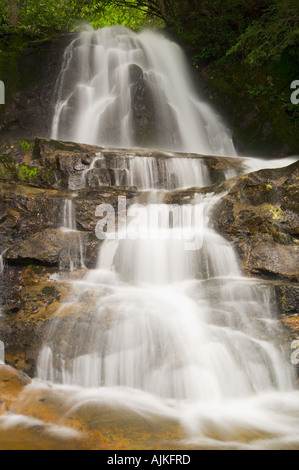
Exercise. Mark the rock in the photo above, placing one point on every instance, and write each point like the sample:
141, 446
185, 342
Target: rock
135, 73
48, 247
29, 67
260, 216
144, 125
12, 382
287, 298
273, 259
65, 166
25, 210
23, 326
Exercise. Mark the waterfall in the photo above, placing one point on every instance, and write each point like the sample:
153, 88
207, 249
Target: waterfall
167, 322
74, 241
117, 88
184, 323
2, 261
163, 171
2, 353
69, 216
2, 346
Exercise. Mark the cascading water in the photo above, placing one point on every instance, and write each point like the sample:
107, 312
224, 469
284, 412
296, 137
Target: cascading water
1, 264
183, 322
167, 325
97, 82
74, 249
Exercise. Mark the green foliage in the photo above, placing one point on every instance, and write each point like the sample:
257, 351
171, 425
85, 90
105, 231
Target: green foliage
268, 37
42, 16
28, 174
25, 146
112, 14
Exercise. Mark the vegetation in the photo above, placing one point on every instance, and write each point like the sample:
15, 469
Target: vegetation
255, 31
44, 16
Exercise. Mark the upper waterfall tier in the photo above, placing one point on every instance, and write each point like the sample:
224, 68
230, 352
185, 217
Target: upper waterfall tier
122, 89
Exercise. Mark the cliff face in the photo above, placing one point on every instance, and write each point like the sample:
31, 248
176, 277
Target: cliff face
29, 68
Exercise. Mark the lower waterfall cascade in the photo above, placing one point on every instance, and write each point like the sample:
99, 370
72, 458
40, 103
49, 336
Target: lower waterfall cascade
165, 326
176, 332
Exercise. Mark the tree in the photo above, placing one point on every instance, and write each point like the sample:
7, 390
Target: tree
267, 37
13, 8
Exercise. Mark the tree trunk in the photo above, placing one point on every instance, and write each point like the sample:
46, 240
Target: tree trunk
13, 8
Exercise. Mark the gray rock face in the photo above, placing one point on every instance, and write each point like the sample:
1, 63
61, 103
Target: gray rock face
144, 126
260, 215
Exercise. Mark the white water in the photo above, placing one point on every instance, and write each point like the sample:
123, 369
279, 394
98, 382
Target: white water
74, 247
172, 332
164, 330
184, 323
94, 97
2, 353
2, 261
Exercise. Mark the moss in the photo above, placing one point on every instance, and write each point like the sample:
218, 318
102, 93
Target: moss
25, 146
28, 174
49, 290
275, 211
36, 268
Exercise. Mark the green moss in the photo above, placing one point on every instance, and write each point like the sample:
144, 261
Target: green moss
275, 211
28, 174
25, 146
49, 290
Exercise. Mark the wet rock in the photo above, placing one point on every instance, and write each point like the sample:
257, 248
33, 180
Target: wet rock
144, 126
273, 259
26, 210
135, 73
260, 216
56, 165
49, 247
22, 328
12, 382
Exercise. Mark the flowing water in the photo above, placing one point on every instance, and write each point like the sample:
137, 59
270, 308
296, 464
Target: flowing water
94, 94
2, 262
172, 329
74, 242
168, 327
